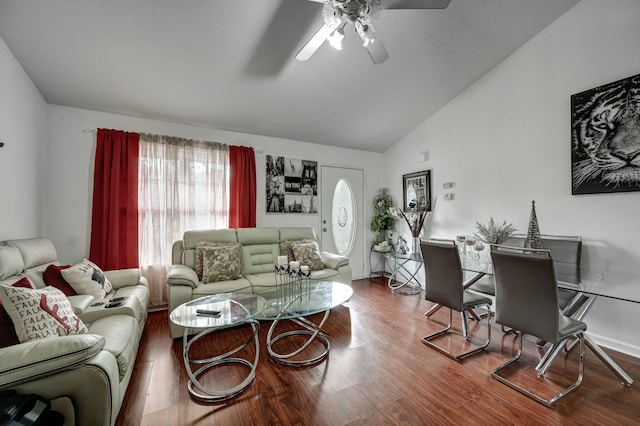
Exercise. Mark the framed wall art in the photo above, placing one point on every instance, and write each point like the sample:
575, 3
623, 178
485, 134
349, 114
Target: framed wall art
291, 185
605, 138
416, 188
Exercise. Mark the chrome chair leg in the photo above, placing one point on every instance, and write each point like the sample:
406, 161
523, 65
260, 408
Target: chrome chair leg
548, 402
428, 340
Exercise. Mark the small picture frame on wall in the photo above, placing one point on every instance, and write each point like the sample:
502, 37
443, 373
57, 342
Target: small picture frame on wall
416, 188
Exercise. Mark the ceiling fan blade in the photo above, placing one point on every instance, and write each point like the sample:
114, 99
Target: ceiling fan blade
415, 4
373, 44
316, 41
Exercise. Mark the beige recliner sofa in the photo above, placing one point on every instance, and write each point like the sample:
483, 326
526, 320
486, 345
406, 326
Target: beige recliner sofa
85, 376
260, 249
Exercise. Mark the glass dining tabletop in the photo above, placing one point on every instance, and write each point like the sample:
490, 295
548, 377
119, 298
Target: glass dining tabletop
597, 281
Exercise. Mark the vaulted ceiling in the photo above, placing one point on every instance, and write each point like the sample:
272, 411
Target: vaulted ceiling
231, 64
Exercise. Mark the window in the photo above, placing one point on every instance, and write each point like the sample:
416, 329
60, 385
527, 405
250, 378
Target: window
183, 185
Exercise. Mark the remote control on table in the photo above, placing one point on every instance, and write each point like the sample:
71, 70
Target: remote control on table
207, 312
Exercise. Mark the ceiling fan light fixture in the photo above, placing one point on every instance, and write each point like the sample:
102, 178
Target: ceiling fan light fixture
367, 33
335, 39
361, 13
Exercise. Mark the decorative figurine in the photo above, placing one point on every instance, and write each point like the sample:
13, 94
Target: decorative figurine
403, 247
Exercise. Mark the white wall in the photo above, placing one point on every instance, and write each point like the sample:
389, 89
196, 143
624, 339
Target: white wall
72, 151
506, 141
23, 121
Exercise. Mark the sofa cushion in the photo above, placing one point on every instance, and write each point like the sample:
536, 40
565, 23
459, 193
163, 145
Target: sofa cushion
259, 258
53, 277
308, 254
8, 334
120, 333
297, 233
36, 251
286, 247
200, 253
87, 278
221, 263
253, 236
11, 262
240, 286
42, 313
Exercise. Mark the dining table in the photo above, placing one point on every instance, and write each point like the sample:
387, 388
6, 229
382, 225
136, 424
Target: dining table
586, 281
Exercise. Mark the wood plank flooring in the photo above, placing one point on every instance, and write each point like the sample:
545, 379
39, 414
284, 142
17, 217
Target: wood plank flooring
378, 372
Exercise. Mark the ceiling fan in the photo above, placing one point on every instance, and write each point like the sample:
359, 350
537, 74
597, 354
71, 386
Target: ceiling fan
338, 13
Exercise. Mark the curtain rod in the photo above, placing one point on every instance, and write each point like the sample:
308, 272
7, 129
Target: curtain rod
90, 130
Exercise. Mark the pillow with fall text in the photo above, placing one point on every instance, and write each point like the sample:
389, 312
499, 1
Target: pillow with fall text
40, 314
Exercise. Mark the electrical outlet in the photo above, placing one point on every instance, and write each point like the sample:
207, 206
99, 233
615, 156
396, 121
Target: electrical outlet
448, 196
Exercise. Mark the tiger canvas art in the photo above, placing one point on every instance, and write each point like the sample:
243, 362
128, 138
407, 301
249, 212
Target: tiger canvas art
605, 139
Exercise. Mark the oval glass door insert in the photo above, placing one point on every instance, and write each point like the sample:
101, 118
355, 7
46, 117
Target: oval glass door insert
343, 213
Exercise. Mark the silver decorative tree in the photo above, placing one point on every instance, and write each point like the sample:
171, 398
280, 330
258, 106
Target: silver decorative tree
533, 233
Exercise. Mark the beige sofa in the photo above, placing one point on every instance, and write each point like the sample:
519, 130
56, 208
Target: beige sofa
260, 249
85, 376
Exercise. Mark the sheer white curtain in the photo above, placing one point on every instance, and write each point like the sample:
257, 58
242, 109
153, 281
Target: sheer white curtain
183, 185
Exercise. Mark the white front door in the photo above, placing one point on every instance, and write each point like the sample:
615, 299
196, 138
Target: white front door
342, 215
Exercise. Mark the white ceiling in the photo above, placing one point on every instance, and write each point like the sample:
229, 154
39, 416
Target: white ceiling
229, 64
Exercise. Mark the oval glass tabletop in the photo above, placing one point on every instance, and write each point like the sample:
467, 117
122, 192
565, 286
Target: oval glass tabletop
232, 308
303, 299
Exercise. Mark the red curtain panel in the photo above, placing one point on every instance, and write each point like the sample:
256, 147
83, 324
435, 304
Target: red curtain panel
114, 220
242, 187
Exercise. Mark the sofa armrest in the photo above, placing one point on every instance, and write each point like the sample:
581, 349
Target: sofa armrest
81, 302
334, 261
123, 277
182, 275
43, 357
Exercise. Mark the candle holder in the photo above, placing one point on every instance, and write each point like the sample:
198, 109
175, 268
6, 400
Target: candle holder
477, 247
292, 281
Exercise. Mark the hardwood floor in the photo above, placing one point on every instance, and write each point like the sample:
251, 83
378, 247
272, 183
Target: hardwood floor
378, 372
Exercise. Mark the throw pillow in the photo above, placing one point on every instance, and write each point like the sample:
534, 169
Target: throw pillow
221, 263
38, 314
199, 253
286, 248
8, 336
53, 277
308, 254
86, 278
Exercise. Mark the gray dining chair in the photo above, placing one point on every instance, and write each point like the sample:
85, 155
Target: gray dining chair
527, 302
444, 285
566, 251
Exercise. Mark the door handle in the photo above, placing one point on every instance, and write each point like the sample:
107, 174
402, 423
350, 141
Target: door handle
324, 229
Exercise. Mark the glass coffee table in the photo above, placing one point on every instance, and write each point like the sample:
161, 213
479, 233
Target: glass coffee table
295, 301
213, 314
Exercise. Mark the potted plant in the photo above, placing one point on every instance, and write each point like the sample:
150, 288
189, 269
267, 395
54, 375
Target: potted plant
495, 232
383, 222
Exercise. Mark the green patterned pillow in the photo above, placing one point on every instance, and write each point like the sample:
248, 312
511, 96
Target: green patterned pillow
199, 251
308, 254
287, 245
221, 263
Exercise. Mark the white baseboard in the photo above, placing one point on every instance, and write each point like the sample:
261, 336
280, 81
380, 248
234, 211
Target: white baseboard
616, 345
